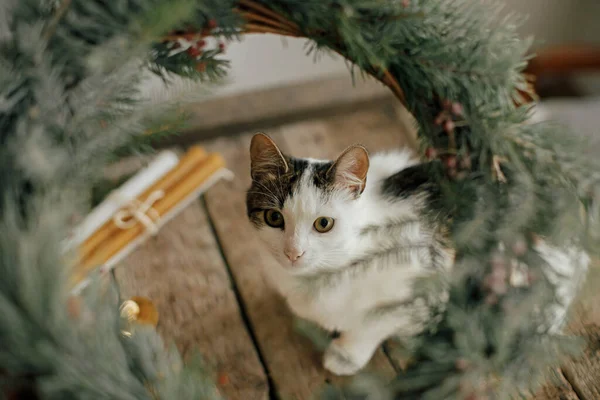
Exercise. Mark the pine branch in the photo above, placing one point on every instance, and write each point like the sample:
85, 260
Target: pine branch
66, 108
60, 12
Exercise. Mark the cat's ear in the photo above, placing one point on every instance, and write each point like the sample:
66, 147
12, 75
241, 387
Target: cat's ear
350, 169
265, 157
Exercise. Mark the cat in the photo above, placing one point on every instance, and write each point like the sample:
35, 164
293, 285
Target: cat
351, 237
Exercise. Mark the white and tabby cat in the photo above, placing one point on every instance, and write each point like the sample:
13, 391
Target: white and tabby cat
352, 236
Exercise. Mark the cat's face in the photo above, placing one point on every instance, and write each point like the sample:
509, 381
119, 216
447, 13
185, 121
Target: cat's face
303, 209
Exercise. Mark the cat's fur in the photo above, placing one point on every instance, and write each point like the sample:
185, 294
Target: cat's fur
357, 278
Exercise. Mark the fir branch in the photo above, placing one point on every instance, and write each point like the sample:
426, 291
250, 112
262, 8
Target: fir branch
60, 12
66, 108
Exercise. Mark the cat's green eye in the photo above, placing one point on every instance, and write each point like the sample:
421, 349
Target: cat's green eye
323, 224
274, 218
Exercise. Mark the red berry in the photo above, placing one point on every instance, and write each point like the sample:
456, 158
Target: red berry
457, 109
201, 43
449, 125
450, 162
212, 23
193, 51
430, 153
223, 379
221, 46
405, 3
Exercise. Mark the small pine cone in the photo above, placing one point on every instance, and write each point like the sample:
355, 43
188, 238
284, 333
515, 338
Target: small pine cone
200, 67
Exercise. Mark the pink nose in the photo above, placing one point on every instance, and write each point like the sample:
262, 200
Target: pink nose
293, 255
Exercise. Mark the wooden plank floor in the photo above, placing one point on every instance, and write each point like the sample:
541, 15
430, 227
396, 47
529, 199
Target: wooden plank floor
203, 271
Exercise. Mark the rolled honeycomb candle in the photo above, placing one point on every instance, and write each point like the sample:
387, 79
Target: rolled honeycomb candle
123, 237
187, 163
134, 187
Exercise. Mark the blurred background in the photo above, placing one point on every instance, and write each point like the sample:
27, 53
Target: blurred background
271, 79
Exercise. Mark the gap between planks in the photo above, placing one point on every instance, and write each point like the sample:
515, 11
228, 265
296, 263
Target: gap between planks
182, 272
293, 362
240, 301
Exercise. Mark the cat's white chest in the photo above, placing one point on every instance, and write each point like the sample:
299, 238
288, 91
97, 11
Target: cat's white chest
345, 302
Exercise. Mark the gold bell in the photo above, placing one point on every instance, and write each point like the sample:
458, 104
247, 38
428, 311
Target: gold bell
138, 310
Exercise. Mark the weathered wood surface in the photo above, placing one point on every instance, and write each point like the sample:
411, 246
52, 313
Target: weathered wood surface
185, 274
270, 318
584, 372
182, 272
559, 389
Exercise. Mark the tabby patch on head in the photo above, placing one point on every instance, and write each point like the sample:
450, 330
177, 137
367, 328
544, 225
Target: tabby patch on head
299, 205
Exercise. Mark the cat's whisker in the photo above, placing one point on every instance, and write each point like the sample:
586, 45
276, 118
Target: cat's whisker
274, 199
268, 190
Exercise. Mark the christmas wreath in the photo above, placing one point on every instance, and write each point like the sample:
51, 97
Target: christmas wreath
70, 103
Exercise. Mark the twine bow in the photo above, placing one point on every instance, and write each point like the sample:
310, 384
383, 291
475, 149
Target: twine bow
137, 211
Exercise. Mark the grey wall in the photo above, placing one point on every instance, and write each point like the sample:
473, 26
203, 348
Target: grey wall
263, 61
560, 21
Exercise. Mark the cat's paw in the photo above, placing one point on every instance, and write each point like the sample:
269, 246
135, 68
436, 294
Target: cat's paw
339, 362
